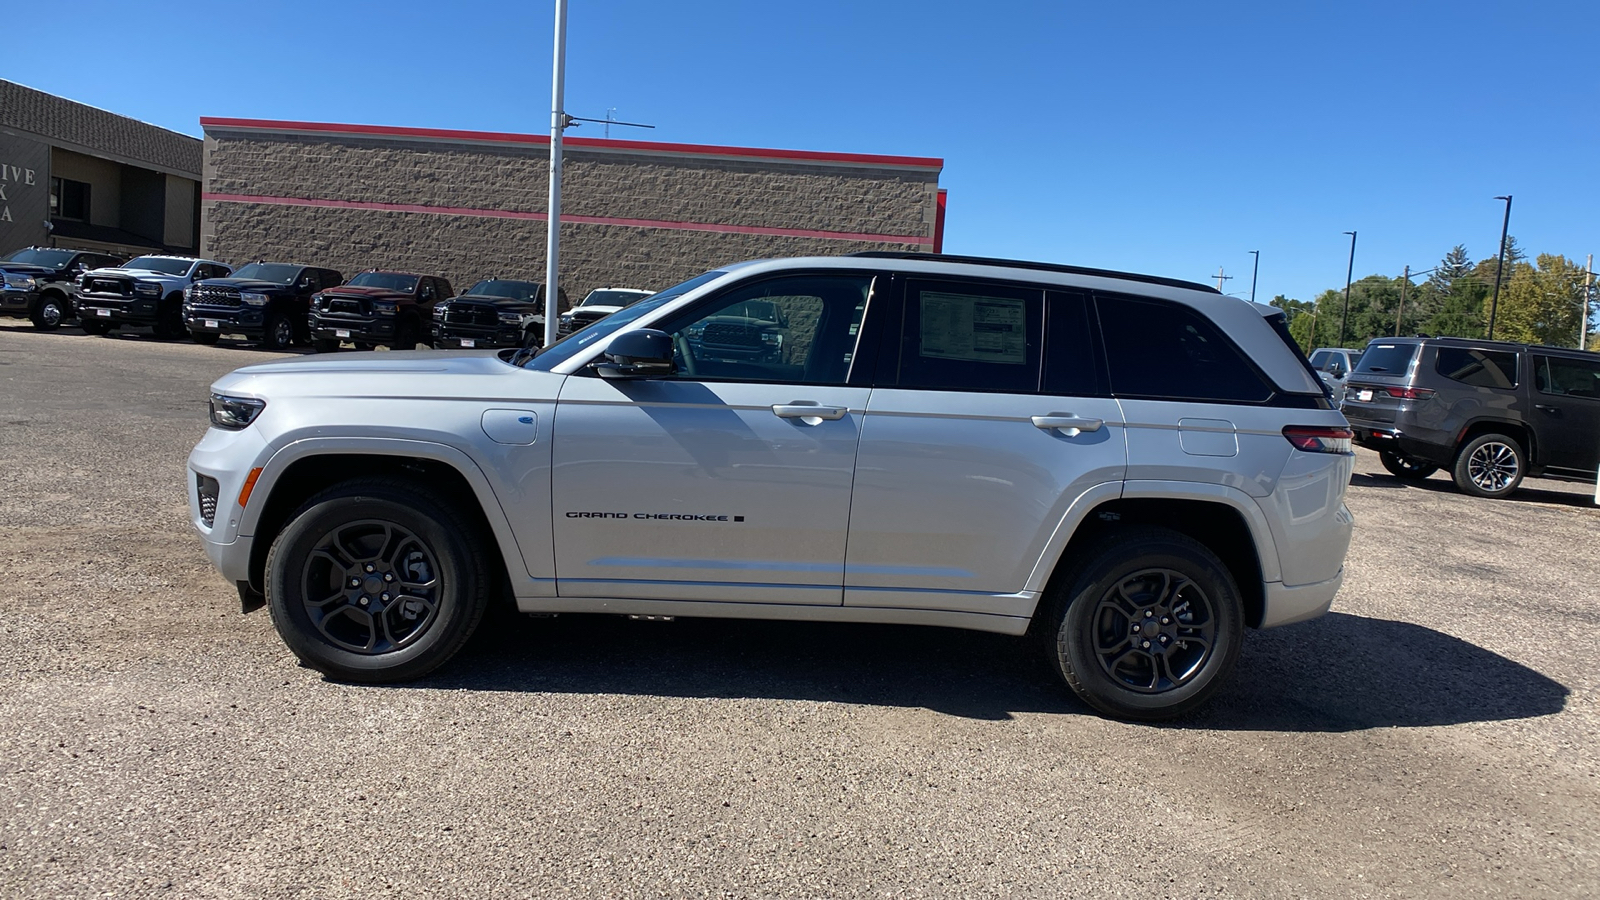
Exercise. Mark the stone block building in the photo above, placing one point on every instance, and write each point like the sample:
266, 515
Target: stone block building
469, 205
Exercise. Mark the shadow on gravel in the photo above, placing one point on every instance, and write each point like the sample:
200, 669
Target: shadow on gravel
1338, 673
1583, 497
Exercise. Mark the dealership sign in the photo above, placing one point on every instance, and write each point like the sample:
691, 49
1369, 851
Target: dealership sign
24, 192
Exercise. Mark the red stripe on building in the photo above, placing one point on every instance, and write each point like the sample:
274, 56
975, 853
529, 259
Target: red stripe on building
938, 223
504, 137
580, 220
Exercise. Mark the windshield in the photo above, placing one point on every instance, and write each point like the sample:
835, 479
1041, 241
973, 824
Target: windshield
275, 272
583, 338
1387, 359
159, 264
613, 298
389, 281
54, 259
516, 290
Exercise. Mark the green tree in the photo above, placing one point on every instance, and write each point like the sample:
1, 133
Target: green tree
1542, 305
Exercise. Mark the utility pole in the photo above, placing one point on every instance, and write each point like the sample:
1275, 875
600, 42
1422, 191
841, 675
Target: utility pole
1405, 281
1588, 287
1254, 271
558, 124
1221, 278
1345, 317
1494, 306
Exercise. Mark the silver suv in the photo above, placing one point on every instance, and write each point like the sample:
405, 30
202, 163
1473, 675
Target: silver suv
1132, 469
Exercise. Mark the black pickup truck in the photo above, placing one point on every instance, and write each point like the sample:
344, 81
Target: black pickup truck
493, 313
38, 282
268, 302
389, 308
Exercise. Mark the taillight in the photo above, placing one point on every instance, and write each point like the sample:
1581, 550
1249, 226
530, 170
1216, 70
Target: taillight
1319, 438
1408, 393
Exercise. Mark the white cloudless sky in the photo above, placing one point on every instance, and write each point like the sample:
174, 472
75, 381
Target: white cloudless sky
1170, 138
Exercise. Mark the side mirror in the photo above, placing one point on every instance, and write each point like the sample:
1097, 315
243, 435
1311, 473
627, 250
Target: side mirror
645, 353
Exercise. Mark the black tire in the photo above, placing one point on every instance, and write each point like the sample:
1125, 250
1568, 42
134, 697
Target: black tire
169, 320
277, 332
363, 345
433, 541
406, 336
50, 312
1405, 468
92, 327
325, 345
1490, 465
1129, 619
205, 337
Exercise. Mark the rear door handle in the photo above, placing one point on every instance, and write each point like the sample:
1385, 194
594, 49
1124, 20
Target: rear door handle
802, 409
1067, 423
1544, 408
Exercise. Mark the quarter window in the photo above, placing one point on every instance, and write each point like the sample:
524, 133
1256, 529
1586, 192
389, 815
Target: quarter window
971, 336
1479, 368
1163, 351
793, 330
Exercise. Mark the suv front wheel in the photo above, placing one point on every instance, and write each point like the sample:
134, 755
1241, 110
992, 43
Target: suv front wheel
377, 580
1490, 465
1148, 625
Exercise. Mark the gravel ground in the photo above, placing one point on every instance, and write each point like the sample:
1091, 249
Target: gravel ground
1434, 736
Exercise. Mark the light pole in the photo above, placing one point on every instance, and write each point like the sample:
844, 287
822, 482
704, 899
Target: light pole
1254, 270
558, 124
1348, 272
1494, 305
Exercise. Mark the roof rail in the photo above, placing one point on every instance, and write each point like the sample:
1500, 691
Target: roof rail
1040, 266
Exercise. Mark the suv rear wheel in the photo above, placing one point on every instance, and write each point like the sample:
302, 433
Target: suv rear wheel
1405, 468
1148, 625
377, 580
1490, 465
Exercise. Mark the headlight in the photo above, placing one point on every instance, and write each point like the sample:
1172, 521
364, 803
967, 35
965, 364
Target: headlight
510, 318
188, 293
383, 309
21, 282
438, 311
250, 299
147, 289
235, 413
317, 301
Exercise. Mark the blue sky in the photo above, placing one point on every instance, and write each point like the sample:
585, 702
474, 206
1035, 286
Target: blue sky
1170, 138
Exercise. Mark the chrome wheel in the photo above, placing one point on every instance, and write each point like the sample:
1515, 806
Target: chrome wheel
1494, 467
49, 314
371, 587
1154, 631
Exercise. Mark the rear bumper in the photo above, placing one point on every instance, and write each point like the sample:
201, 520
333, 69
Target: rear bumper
1389, 439
1288, 604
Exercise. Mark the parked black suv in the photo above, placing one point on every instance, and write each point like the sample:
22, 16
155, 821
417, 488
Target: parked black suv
38, 282
1491, 412
268, 302
494, 313
389, 308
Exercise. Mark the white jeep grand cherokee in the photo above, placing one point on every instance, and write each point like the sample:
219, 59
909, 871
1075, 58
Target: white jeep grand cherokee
1134, 469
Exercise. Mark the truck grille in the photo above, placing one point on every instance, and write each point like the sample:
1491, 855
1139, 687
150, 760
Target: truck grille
726, 334
347, 306
464, 314
214, 295
122, 287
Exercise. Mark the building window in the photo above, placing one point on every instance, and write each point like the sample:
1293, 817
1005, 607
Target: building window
69, 199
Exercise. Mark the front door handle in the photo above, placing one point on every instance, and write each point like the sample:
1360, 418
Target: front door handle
1067, 423
807, 411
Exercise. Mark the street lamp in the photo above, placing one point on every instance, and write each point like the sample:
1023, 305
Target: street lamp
1494, 306
1348, 272
1253, 271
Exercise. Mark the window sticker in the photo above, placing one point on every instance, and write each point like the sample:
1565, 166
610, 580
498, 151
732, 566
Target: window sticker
973, 328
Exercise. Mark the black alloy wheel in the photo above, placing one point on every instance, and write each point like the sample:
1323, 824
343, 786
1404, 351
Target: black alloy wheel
49, 312
278, 333
169, 320
1148, 625
377, 580
1490, 465
1405, 468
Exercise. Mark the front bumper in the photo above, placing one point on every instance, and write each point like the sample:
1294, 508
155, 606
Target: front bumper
117, 310
16, 303
467, 337
228, 457
367, 330
249, 321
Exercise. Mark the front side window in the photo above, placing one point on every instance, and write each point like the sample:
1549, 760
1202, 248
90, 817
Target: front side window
1164, 351
1479, 368
971, 336
1568, 377
798, 329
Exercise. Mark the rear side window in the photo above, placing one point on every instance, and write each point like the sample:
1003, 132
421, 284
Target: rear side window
1071, 364
1164, 351
1479, 368
1568, 377
971, 336
1387, 359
